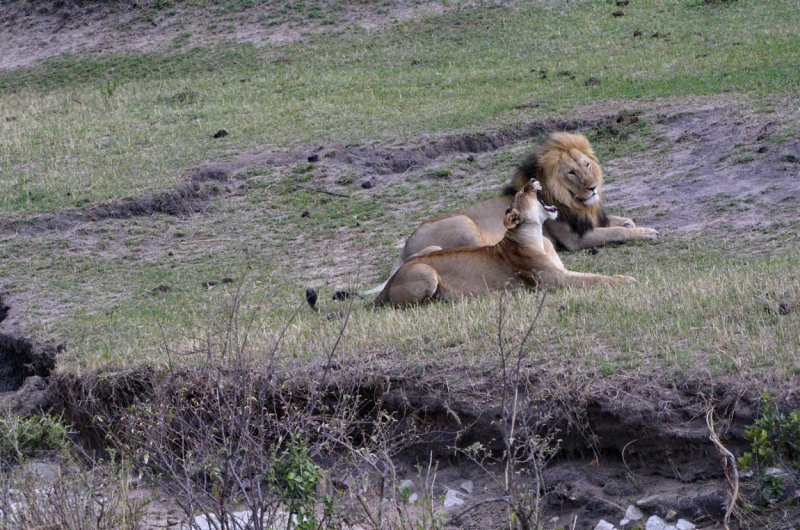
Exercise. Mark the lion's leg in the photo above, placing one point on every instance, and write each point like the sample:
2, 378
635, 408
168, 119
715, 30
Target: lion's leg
556, 278
563, 234
414, 284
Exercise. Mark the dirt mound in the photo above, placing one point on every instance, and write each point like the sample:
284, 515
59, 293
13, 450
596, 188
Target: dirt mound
23, 367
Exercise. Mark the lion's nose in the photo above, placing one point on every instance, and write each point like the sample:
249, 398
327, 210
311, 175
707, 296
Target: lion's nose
592, 188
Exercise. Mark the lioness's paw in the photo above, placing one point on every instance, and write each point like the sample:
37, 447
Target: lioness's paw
625, 279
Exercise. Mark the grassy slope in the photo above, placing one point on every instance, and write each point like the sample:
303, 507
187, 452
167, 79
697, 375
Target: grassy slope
90, 128
84, 134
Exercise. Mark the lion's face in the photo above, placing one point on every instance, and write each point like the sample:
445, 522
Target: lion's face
528, 207
580, 176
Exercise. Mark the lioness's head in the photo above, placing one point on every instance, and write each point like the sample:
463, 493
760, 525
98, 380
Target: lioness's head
528, 207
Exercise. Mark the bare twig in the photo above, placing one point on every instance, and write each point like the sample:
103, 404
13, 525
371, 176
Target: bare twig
728, 465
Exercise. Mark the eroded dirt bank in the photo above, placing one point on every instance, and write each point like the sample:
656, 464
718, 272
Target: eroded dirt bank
623, 440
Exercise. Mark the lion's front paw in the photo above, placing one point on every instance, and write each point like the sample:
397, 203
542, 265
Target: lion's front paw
625, 279
647, 233
628, 223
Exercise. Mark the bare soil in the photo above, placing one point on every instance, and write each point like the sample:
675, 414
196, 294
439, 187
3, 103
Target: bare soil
725, 166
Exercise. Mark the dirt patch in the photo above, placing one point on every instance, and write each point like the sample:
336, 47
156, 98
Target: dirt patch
190, 197
33, 31
722, 166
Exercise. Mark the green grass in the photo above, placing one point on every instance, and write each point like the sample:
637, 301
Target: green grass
694, 309
89, 128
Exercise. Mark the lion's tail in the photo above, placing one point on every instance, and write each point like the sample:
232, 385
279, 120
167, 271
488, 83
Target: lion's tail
374, 290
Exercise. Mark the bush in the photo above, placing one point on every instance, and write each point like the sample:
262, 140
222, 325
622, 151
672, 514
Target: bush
21, 437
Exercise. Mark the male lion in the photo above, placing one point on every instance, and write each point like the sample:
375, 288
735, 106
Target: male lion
571, 179
523, 257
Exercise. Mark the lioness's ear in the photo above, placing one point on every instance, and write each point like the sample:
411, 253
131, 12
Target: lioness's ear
512, 218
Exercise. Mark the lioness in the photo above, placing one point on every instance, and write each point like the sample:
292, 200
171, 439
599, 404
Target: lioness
523, 257
571, 178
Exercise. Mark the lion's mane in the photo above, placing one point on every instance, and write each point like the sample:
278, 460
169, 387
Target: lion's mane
543, 165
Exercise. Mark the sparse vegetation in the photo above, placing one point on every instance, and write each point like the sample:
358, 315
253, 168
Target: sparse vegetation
775, 452
22, 437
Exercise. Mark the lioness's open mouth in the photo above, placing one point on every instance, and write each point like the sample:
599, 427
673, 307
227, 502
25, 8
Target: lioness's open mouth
547, 207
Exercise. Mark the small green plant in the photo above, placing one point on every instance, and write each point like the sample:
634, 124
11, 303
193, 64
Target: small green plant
21, 437
299, 476
775, 450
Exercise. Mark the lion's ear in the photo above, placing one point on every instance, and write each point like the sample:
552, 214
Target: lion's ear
512, 218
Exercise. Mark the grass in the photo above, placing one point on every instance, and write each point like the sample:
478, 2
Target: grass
89, 128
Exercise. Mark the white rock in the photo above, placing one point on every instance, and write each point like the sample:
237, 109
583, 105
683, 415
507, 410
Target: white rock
413, 498
655, 523
774, 471
624, 522
650, 501
406, 485
467, 486
553, 519
683, 524
604, 525
453, 498
633, 513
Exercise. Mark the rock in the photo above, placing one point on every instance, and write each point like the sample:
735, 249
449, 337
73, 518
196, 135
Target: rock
220, 133
683, 524
467, 486
633, 513
655, 523
453, 498
313, 158
44, 470
407, 485
366, 184
671, 516
604, 525
413, 498
311, 298
651, 501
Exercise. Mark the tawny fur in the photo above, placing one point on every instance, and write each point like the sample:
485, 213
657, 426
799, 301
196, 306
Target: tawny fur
579, 225
523, 257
